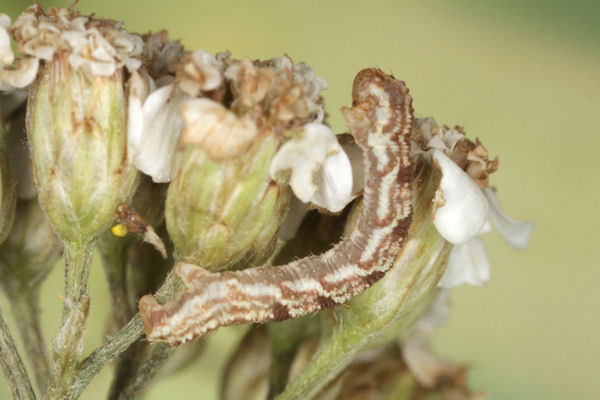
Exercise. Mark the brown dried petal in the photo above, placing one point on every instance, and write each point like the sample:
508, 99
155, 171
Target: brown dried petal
161, 56
276, 92
219, 131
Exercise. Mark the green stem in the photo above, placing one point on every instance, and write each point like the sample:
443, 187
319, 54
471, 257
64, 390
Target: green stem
12, 366
68, 344
103, 355
357, 329
110, 350
25, 307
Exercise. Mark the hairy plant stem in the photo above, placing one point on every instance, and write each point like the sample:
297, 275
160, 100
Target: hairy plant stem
25, 308
12, 366
104, 355
68, 344
116, 345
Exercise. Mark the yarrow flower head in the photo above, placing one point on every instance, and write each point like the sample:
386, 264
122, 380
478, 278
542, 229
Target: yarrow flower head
79, 155
269, 97
232, 125
464, 203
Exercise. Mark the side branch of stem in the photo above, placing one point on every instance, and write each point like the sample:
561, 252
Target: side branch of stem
12, 366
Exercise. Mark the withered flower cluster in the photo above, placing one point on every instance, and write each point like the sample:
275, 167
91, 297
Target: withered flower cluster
214, 191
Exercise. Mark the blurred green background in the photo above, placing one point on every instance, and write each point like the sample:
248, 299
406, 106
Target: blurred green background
524, 76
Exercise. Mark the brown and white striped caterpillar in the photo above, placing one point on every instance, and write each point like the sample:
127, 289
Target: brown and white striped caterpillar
380, 120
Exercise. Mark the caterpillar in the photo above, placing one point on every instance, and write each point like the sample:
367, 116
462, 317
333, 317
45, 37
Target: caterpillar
380, 120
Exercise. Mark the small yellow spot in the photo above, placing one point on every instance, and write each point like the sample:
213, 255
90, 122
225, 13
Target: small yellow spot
119, 230
61, 298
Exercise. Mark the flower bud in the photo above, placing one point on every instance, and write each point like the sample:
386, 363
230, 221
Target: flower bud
223, 214
77, 133
76, 112
256, 128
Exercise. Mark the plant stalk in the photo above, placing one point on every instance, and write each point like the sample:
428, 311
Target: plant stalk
68, 344
120, 342
25, 308
12, 366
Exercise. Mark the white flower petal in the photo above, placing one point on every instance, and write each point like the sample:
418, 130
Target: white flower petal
210, 68
516, 234
305, 155
452, 137
468, 263
356, 157
334, 182
20, 77
4, 21
426, 126
6, 54
465, 209
100, 68
139, 88
201, 73
437, 143
154, 153
487, 227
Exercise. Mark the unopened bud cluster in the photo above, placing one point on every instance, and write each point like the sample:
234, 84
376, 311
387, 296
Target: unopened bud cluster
229, 164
